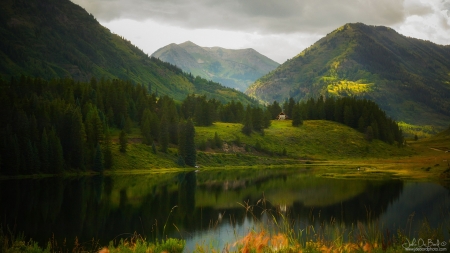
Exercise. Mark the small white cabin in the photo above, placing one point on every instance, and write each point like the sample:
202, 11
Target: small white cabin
281, 116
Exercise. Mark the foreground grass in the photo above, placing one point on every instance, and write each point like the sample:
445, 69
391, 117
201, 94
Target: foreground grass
277, 233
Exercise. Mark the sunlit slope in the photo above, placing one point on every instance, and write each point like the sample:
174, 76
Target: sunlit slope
409, 78
316, 139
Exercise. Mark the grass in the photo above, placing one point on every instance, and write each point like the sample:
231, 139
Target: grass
134, 244
276, 233
332, 149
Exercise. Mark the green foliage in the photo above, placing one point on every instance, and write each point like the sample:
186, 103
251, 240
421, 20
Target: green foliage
191, 152
123, 141
346, 110
42, 45
218, 142
297, 119
248, 122
164, 134
407, 77
98, 160
154, 148
107, 154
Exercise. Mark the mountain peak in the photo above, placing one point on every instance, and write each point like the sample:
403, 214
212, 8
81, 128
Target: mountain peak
235, 68
401, 74
188, 44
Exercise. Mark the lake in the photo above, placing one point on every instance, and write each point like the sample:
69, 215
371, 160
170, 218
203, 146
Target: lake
214, 207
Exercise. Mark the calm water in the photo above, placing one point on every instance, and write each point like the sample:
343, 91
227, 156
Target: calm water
210, 207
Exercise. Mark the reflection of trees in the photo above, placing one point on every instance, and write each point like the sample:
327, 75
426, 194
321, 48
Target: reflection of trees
187, 183
84, 207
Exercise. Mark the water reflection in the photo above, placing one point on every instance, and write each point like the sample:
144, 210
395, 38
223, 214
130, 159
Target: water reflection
191, 205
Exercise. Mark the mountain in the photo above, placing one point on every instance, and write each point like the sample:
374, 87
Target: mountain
409, 78
58, 39
235, 68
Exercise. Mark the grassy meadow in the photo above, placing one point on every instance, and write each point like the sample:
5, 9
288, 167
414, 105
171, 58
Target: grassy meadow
333, 149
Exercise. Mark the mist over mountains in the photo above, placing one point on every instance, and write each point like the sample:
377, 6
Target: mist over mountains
235, 68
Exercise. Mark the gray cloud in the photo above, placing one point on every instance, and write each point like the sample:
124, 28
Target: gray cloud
269, 16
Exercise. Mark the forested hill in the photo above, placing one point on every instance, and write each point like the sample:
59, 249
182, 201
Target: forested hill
235, 68
59, 39
408, 78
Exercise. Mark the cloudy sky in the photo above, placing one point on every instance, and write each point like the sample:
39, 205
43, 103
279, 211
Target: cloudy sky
279, 29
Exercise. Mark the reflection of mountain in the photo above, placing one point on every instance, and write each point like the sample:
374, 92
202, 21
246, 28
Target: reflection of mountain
368, 205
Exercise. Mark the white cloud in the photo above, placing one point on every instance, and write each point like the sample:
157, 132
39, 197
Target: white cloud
279, 29
269, 16
150, 36
427, 20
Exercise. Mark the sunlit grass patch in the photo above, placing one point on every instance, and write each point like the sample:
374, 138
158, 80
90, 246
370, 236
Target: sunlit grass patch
420, 131
345, 87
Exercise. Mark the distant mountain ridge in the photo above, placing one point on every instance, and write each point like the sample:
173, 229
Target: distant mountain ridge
58, 39
409, 78
235, 68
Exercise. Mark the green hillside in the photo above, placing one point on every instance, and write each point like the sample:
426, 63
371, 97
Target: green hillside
315, 140
407, 77
59, 39
235, 68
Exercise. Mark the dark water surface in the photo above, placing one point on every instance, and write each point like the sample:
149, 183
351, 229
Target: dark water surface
214, 207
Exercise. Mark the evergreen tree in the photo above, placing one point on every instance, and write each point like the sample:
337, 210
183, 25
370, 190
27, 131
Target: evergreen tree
297, 119
182, 139
274, 109
123, 141
98, 160
218, 143
154, 125
248, 127
153, 148
164, 134
257, 119
107, 157
56, 161
369, 133
290, 107
348, 116
44, 152
146, 132
191, 152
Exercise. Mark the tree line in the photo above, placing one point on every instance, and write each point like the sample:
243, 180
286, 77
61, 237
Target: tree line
65, 125
361, 114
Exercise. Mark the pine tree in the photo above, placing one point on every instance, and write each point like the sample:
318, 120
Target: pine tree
191, 152
107, 157
217, 141
290, 107
248, 127
56, 161
146, 132
297, 119
154, 125
267, 119
182, 139
98, 160
369, 133
123, 141
164, 134
153, 148
44, 152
